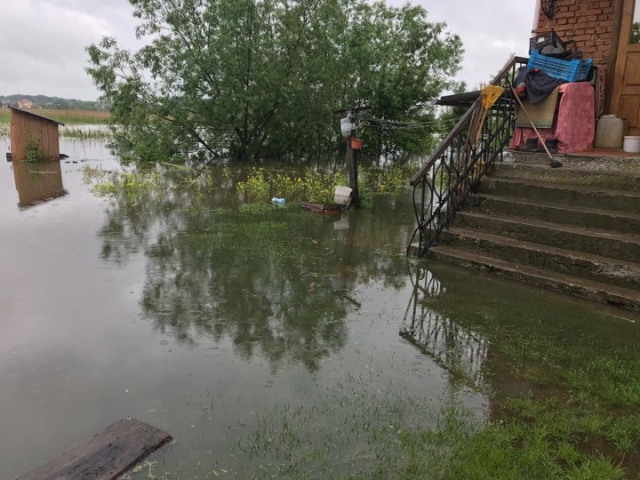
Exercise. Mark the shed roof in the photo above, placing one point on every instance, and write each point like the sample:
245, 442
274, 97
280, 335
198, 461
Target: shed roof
29, 112
459, 100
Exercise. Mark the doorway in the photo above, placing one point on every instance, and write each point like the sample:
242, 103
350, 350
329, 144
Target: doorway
625, 95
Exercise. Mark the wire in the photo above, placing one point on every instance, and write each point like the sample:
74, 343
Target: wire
400, 125
411, 124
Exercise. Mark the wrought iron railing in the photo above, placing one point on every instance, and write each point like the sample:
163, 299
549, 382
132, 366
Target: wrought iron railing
459, 350
458, 164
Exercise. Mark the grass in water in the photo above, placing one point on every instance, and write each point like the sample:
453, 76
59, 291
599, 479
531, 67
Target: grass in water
312, 186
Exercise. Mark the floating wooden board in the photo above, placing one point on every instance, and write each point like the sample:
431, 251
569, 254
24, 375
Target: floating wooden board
322, 208
107, 456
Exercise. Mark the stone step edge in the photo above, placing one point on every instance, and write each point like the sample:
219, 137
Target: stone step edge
538, 247
591, 290
563, 186
602, 234
535, 166
558, 206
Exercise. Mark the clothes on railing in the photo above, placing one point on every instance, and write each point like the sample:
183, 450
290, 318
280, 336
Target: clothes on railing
574, 127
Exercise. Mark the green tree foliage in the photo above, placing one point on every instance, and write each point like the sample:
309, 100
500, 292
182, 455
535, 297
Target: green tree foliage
249, 79
635, 32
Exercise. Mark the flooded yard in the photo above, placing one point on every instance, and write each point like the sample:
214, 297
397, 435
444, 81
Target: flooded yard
274, 343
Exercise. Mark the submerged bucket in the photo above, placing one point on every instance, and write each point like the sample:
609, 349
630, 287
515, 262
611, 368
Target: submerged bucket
342, 195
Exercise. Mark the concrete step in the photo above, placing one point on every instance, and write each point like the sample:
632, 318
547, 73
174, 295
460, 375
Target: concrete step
588, 240
565, 215
566, 195
587, 161
581, 265
601, 292
606, 179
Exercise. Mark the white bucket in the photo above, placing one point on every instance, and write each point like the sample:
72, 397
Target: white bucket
632, 144
342, 195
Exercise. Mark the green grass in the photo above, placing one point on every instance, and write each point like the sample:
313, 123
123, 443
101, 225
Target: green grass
69, 117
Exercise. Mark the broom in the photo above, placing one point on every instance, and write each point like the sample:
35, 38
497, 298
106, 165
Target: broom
553, 163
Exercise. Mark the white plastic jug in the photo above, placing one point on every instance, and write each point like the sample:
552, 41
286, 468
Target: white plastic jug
610, 132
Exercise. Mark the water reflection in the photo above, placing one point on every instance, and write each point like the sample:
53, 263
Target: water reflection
278, 283
458, 349
37, 182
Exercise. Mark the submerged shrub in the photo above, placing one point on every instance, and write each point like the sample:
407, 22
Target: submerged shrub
314, 186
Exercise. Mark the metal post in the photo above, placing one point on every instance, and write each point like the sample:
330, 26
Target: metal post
352, 169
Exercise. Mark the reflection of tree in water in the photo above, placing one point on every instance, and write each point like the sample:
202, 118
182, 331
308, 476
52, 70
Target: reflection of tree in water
277, 282
461, 351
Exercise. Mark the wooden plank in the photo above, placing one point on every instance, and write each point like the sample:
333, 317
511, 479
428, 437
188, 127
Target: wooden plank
54, 142
106, 456
322, 209
44, 139
18, 142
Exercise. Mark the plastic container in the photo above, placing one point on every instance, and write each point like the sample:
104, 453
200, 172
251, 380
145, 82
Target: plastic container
346, 126
538, 42
356, 143
342, 195
610, 132
278, 201
569, 70
632, 144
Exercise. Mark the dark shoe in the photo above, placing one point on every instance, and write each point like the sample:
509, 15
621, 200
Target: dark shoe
531, 145
552, 145
555, 163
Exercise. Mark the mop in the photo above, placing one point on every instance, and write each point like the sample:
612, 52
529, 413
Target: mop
553, 163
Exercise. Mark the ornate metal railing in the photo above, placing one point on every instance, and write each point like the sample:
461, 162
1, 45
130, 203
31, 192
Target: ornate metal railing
457, 349
458, 164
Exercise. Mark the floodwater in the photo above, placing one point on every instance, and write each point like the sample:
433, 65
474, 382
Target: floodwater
199, 319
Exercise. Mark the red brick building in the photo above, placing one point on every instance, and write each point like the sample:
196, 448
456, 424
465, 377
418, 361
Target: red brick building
609, 32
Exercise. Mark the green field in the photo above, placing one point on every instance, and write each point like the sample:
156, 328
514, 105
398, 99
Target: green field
69, 117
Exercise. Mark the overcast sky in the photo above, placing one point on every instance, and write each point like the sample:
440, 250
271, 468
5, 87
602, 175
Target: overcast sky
42, 41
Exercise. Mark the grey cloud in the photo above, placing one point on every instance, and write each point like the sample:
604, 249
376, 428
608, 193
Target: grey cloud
42, 42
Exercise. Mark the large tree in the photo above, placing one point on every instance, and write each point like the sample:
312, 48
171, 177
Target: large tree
252, 78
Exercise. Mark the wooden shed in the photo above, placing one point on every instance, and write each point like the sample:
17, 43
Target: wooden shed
29, 131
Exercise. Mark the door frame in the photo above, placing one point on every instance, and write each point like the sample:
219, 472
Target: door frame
613, 89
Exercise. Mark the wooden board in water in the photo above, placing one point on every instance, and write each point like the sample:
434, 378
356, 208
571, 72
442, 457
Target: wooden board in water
107, 456
322, 208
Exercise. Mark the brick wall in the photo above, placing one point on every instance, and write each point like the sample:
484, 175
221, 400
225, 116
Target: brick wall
591, 24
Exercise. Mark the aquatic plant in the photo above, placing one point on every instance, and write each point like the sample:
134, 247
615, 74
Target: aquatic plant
32, 150
310, 186
85, 134
318, 187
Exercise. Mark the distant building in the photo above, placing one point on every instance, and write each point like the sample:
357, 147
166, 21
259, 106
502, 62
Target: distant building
25, 103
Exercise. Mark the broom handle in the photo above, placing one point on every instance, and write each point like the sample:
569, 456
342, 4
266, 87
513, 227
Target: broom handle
515, 94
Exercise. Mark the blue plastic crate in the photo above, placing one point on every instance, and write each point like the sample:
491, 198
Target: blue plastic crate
569, 70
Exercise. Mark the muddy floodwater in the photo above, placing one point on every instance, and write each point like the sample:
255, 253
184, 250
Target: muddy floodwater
215, 322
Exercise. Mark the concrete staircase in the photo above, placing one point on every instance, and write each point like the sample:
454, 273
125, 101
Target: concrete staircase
574, 230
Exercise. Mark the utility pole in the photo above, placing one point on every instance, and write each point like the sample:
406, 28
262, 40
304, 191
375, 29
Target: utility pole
351, 154
352, 165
